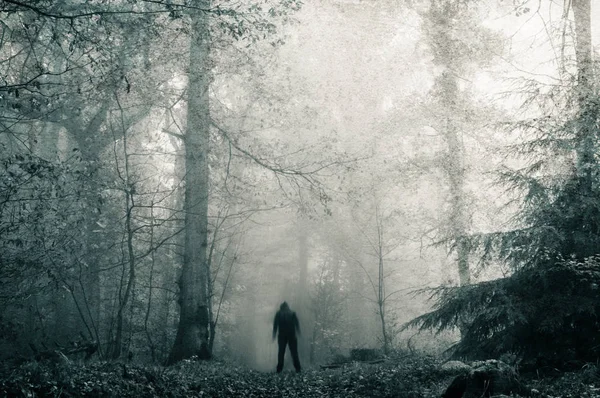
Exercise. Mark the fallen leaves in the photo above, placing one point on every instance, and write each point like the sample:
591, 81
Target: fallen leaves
418, 377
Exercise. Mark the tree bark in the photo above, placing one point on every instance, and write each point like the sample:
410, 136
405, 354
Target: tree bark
583, 42
442, 16
381, 295
302, 303
456, 178
585, 135
151, 344
192, 331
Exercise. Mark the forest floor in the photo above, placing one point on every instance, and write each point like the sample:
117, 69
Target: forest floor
407, 377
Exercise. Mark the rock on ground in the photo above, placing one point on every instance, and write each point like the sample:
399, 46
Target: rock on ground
486, 379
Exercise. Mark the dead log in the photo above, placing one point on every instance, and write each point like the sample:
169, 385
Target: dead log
55, 356
365, 354
336, 365
59, 355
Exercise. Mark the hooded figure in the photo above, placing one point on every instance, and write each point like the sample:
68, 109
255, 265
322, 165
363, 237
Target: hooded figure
287, 323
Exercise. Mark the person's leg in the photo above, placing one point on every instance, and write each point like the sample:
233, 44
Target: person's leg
294, 352
282, 342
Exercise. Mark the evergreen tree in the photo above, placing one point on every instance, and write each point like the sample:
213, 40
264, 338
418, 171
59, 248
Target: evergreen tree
548, 308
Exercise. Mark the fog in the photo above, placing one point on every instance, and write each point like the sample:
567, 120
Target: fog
333, 160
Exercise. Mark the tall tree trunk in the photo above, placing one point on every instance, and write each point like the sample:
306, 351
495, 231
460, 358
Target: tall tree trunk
381, 307
302, 303
192, 331
441, 17
456, 179
167, 314
586, 129
381, 295
151, 344
583, 43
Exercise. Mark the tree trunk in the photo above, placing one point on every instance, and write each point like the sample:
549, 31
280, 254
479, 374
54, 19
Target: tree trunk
456, 178
151, 344
585, 135
168, 314
442, 16
313, 343
583, 43
381, 295
303, 306
192, 331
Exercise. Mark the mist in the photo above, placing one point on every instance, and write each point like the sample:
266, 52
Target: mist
397, 172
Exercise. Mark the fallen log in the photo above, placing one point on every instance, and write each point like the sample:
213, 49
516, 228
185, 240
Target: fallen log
337, 365
60, 354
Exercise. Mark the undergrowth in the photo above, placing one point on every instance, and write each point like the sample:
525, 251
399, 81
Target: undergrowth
410, 378
402, 378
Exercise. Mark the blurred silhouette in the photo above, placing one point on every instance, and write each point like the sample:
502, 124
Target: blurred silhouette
287, 323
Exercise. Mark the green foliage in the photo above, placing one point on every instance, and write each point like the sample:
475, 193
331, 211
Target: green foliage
40, 221
547, 310
328, 298
548, 313
557, 189
256, 21
581, 383
558, 218
413, 377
